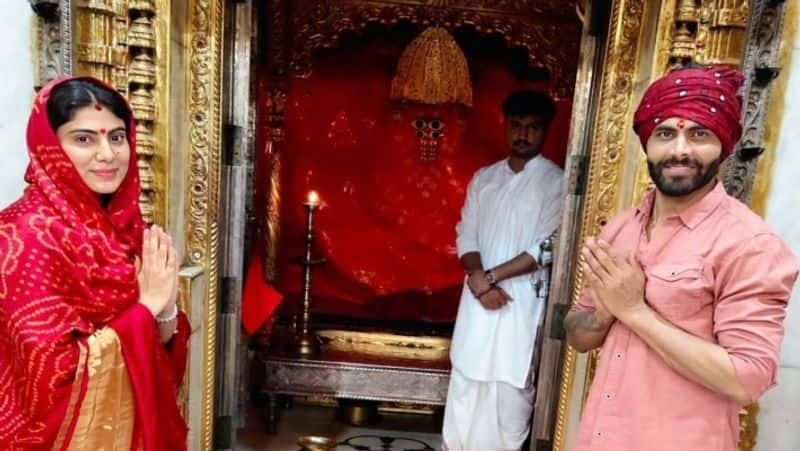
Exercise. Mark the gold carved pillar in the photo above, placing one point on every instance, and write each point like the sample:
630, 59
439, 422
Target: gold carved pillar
722, 33
142, 80
708, 32
124, 42
99, 40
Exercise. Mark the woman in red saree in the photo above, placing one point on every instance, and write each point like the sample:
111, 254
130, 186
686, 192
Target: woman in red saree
92, 346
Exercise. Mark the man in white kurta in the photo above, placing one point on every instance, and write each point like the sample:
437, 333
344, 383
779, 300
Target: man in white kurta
511, 207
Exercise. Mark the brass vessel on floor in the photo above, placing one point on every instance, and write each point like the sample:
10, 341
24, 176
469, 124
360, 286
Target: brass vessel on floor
315, 443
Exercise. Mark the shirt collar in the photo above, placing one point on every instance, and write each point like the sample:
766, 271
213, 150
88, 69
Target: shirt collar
529, 164
692, 216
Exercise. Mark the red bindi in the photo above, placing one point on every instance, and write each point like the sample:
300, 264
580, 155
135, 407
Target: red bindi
102, 131
98, 107
681, 124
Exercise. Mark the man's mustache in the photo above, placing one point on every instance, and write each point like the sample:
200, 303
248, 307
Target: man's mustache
686, 161
521, 143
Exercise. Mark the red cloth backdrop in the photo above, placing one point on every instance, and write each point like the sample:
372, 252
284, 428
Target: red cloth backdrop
387, 222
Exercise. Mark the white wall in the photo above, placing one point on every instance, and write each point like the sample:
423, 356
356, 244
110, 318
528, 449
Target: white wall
779, 419
16, 94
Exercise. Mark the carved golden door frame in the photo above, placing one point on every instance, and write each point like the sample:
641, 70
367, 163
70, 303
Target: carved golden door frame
167, 58
611, 150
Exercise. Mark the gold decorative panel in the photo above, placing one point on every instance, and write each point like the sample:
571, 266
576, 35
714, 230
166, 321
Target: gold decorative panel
609, 142
99, 45
707, 31
204, 30
548, 30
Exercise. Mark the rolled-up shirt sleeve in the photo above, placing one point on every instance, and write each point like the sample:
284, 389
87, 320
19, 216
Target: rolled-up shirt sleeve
467, 228
753, 289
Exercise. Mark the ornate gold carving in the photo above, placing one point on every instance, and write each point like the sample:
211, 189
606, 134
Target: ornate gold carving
687, 11
432, 70
683, 45
147, 78
204, 29
99, 48
142, 34
708, 31
607, 153
142, 70
548, 31
145, 145
145, 6
143, 102
722, 32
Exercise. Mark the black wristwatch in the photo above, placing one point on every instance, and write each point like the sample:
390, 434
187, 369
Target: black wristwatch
490, 277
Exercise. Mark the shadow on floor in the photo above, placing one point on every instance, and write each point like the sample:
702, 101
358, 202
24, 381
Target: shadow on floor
394, 432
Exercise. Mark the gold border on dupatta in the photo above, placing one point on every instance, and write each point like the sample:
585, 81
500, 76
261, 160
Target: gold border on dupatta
105, 417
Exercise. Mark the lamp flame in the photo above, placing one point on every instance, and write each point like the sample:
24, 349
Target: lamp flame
313, 198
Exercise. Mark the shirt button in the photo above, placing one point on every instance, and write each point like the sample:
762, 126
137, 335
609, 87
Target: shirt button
609, 396
618, 355
598, 433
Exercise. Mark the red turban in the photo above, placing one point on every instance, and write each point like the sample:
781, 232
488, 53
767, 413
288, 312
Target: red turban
707, 96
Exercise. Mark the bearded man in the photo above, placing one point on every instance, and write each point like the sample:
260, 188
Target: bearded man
686, 293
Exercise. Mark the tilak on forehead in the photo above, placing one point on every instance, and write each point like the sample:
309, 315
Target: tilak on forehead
708, 96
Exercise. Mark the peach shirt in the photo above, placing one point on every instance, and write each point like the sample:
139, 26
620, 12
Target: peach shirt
718, 272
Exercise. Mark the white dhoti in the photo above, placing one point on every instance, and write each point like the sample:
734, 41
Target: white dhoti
490, 398
485, 416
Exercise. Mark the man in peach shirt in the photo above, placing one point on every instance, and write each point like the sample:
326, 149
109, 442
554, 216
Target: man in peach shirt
686, 293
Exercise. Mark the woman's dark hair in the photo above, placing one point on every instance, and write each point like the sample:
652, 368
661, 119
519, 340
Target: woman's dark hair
75, 94
526, 102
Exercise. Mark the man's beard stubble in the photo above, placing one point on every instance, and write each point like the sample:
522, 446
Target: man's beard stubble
523, 149
682, 186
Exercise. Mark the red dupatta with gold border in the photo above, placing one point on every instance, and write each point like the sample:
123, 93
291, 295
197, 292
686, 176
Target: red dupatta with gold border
81, 362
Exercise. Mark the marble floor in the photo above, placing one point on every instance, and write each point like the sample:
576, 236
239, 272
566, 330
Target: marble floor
407, 432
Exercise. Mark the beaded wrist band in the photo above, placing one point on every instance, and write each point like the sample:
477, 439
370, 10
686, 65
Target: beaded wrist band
161, 320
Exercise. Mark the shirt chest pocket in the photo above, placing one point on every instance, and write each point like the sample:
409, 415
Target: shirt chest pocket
678, 290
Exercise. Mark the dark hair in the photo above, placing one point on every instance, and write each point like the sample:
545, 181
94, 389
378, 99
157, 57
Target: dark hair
74, 94
526, 102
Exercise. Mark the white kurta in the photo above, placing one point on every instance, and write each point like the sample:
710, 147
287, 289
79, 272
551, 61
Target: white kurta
504, 215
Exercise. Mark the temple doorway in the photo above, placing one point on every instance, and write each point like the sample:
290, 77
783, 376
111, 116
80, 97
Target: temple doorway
378, 180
